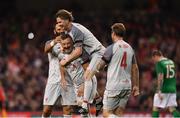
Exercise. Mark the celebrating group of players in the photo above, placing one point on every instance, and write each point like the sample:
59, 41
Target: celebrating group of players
75, 56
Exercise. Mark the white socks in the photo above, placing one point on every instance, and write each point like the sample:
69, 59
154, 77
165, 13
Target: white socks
87, 92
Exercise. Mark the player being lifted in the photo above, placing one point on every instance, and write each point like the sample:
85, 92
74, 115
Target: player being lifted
122, 66
165, 96
83, 39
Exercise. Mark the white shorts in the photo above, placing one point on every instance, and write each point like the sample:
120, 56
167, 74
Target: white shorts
54, 91
114, 99
169, 100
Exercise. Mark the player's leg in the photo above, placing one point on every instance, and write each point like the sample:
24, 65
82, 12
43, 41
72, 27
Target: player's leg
119, 111
79, 94
122, 101
110, 103
68, 100
47, 110
88, 87
174, 112
107, 113
89, 94
89, 84
172, 104
85, 65
96, 98
157, 103
155, 112
98, 102
67, 110
52, 93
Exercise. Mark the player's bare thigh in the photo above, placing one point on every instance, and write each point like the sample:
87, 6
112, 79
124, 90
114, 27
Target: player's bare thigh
107, 112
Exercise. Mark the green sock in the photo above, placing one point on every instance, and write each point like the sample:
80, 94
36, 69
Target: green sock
155, 114
176, 113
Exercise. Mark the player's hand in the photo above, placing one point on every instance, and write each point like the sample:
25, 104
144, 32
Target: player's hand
135, 91
57, 39
64, 84
64, 61
160, 95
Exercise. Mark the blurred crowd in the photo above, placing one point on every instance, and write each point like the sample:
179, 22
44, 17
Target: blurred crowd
24, 65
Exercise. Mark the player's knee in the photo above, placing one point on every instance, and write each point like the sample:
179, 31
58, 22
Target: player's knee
119, 111
67, 110
171, 109
106, 113
47, 111
155, 109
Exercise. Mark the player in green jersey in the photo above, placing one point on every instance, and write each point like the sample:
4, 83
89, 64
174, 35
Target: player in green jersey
165, 96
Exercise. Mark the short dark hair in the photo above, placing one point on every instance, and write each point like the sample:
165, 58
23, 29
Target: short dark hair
64, 14
119, 29
65, 35
157, 53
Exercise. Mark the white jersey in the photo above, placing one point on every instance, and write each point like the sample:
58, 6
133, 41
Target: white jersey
83, 37
119, 57
75, 70
54, 68
54, 71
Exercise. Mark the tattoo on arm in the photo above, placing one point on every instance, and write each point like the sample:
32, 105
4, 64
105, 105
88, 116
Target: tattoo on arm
135, 75
101, 65
75, 54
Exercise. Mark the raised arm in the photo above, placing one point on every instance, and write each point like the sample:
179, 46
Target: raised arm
50, 44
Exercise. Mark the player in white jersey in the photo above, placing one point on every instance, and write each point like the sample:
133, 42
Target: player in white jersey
74, 68
122, 66
83, 39
53, 88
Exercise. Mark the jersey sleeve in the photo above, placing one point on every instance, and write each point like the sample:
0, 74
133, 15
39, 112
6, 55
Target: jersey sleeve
85, 57
61, 56
78, 41
159, 69
134, 61
108, 54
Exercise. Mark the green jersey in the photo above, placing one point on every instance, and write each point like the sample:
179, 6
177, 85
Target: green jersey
167, 68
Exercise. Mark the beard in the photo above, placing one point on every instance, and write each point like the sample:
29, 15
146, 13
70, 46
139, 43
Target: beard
68, 51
